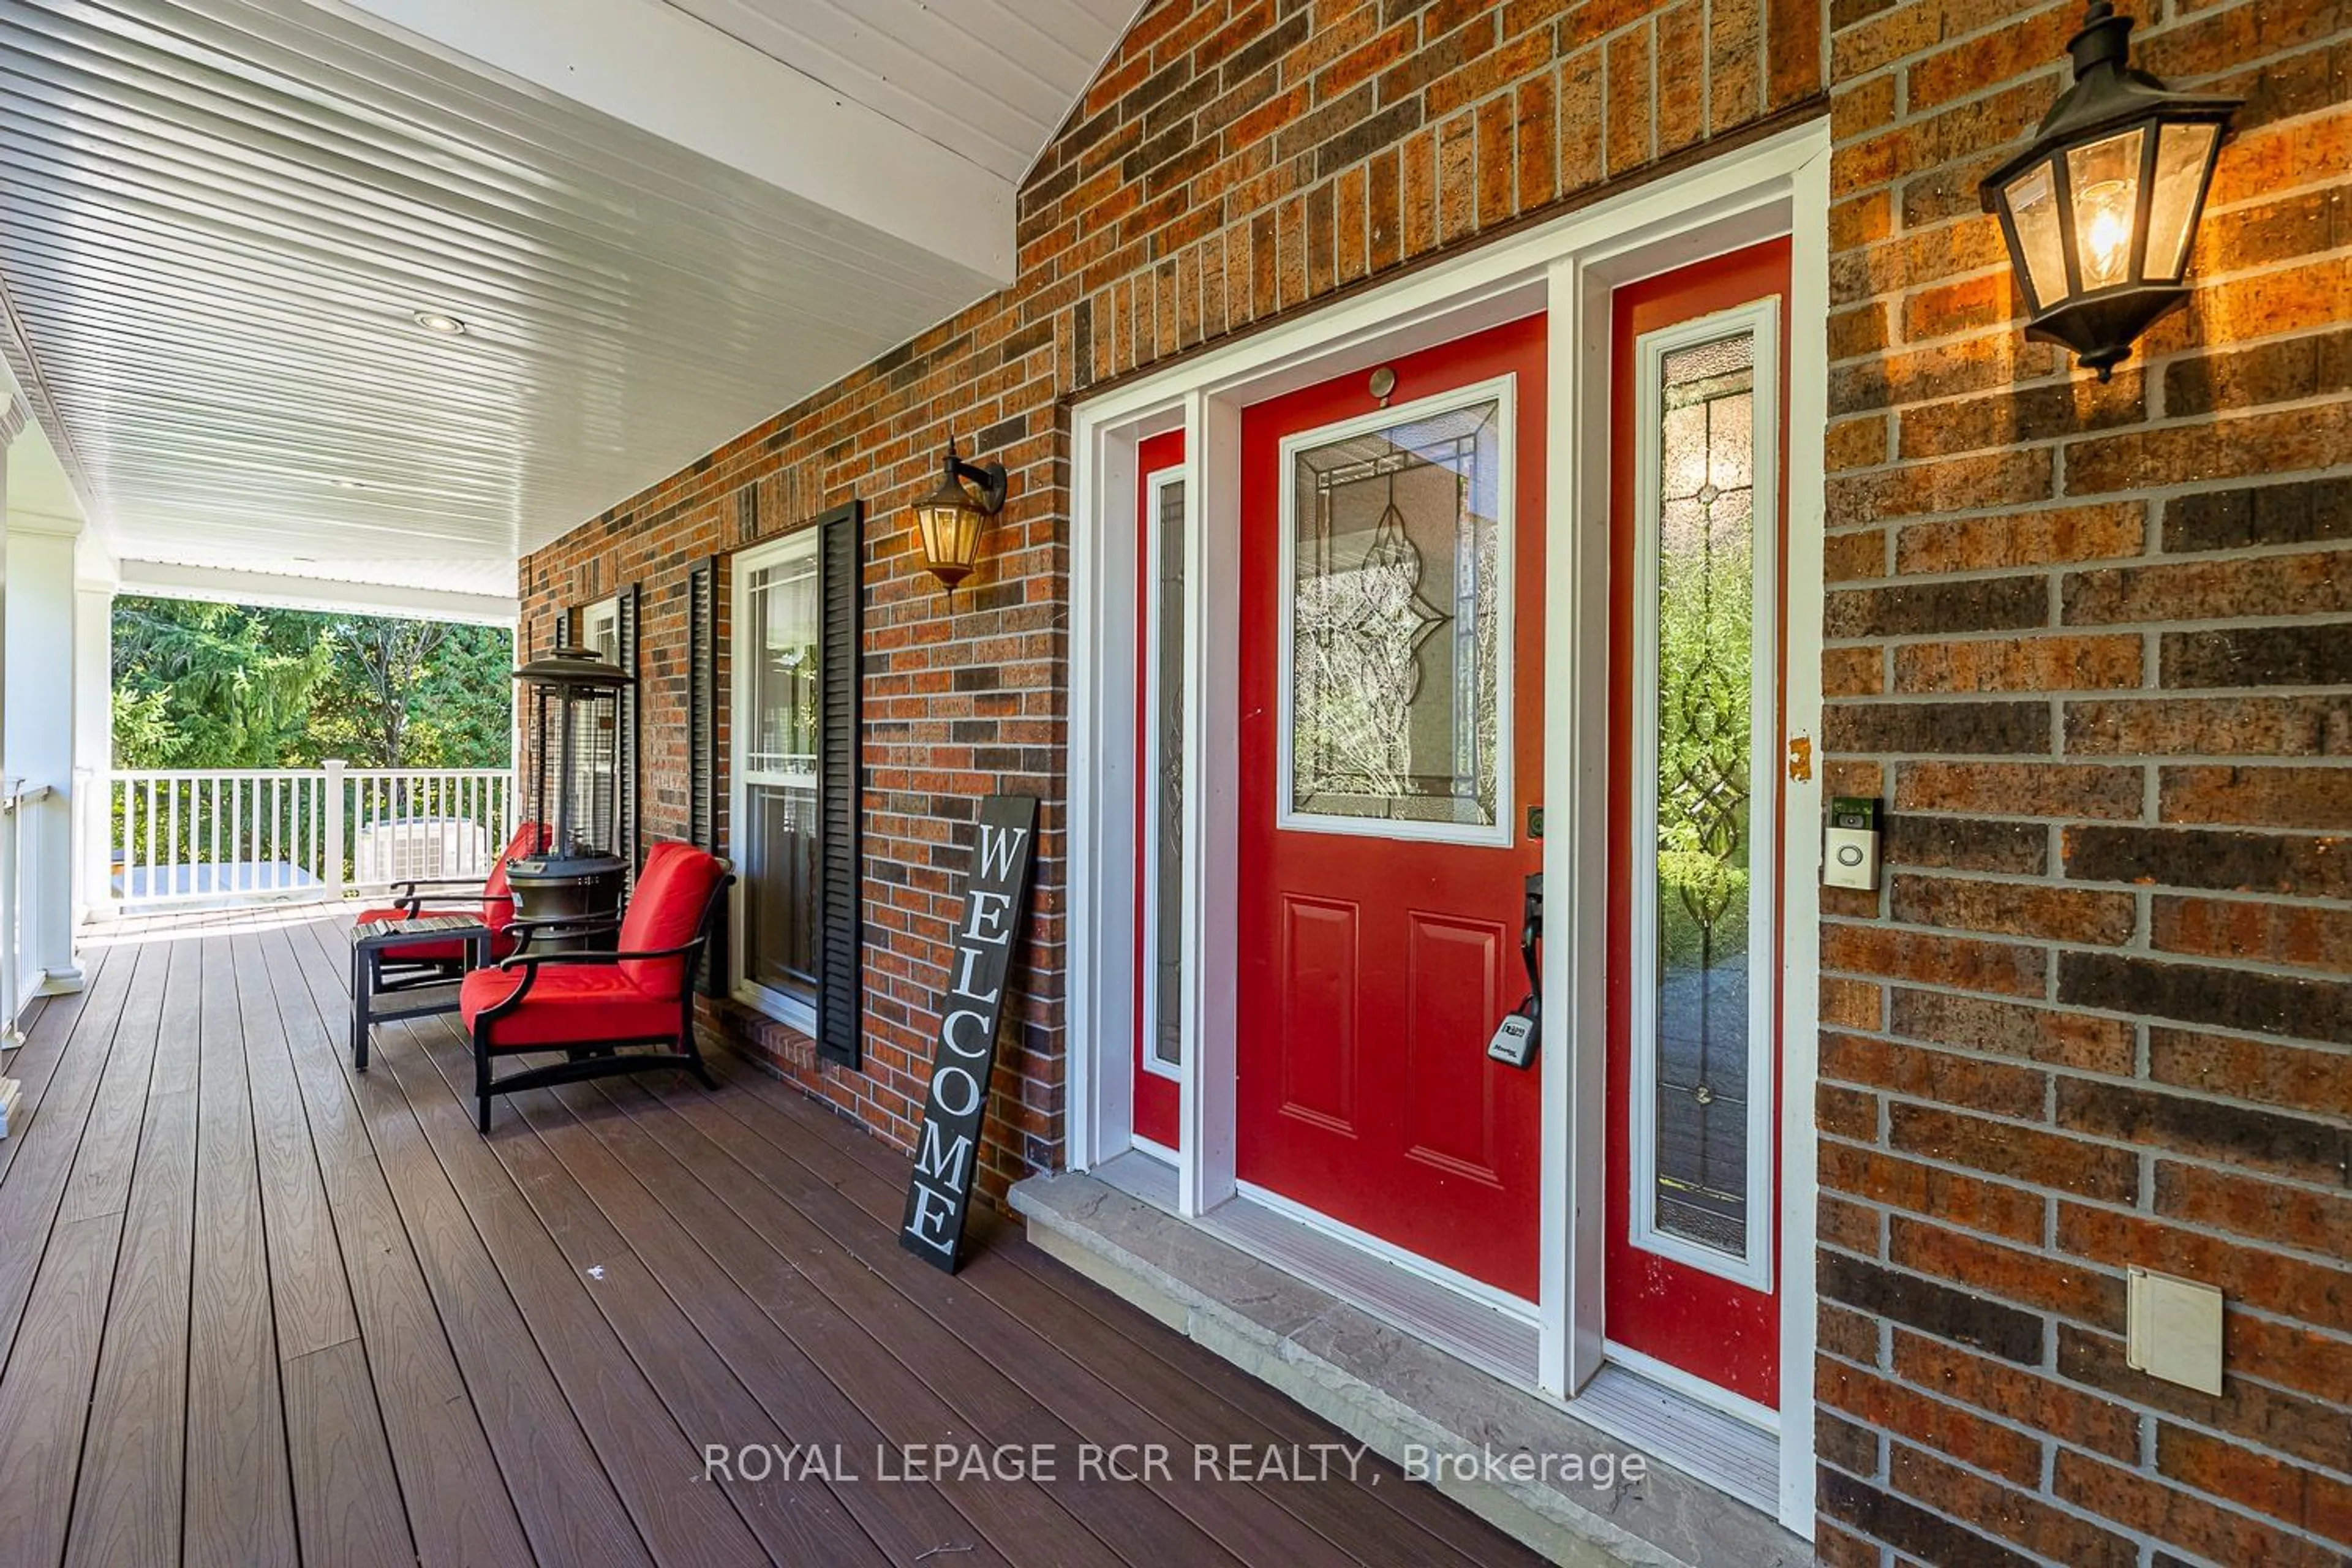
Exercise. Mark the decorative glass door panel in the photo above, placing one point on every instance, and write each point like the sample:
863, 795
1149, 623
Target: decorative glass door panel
1694, 1050
1697, 629
1398, 699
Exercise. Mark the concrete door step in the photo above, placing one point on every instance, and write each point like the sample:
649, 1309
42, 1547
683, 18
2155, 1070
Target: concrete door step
1562, 1485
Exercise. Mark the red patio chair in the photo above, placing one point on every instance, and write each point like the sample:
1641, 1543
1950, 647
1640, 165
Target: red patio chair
591, 1005
430, 962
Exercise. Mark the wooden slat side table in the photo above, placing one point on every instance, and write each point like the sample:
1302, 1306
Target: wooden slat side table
371, 939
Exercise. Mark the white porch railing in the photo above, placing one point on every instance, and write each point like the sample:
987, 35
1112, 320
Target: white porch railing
246, 835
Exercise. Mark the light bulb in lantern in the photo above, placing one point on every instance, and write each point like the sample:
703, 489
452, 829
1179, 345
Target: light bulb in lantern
2107, 234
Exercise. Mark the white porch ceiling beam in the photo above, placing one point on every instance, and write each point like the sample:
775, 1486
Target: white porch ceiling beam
226, 585
677, 77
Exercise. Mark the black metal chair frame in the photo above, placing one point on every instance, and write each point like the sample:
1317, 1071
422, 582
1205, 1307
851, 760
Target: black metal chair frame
599, 1055
393, 974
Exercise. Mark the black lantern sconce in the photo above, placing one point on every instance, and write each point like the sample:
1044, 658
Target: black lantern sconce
2100, 211
952, 517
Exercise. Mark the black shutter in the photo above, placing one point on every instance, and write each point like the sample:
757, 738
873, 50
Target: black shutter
703, 699
624, 747
841, 555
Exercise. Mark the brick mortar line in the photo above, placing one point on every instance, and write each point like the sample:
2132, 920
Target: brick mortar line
2012, 1424
2136, 1209
1980, 876
2043, 1493
2060, 946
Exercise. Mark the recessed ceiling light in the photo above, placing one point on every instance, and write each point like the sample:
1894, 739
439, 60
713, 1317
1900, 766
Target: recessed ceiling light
436, 321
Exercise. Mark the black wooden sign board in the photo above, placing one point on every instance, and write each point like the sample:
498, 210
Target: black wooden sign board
947, 1150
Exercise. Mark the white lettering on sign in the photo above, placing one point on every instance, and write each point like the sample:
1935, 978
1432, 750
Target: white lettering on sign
941, 1163
997, 848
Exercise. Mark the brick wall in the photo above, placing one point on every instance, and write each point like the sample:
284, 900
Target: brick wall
1232, 160
2090, 643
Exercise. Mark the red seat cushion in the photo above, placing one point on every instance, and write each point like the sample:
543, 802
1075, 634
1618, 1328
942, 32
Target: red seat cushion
569, 1004
498, 908
665, 910
424, 951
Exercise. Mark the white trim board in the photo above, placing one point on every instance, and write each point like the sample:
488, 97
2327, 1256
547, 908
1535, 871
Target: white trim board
1567, 269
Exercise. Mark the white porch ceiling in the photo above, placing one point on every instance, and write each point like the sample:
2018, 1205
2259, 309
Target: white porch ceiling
218, 219
992, 78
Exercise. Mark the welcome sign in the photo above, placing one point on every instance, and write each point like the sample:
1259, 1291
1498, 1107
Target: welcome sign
947, 1152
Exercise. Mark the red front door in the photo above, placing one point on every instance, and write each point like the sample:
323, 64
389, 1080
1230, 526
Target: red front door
1391, 746
1697, 453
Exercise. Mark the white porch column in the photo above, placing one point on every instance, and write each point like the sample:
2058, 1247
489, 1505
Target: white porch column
93, 734
38, 648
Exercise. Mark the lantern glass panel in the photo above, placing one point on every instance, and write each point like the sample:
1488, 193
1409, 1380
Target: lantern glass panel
2032, 202
2183, 153
2104, 177
950, 535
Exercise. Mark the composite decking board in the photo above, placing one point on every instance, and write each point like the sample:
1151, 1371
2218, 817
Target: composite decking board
569, 1506
1204, 1411
1104, 1402
128, 1495
453, 1494
653, 1462
309, 1296
616, 1216
1139, 1524
45, 1394
751, 1291
681, 1337
874, 1176
850, 1339
32, 1195
348, 1510
240, 1500
34, 1063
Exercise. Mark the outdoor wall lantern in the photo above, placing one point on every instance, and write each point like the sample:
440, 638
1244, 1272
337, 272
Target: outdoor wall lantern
952, 517
2101, 210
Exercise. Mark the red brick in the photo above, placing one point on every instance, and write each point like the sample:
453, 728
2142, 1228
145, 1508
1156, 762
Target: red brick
2258, 796
1631, 97
2019, 664
2020, 1153
2181, 1518
2310, 1292
2251, 1206
2060, 1285
2012, 909
2308, 935
1922, 955
2022, 539
1990, 1206
1892, 1407
2021, 789
2015, 1395
2270, 1071
2080, 1040
2026, 1521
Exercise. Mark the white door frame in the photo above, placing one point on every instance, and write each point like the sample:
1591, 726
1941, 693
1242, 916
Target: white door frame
1774, 187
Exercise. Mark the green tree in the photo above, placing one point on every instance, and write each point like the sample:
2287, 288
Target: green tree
227, 685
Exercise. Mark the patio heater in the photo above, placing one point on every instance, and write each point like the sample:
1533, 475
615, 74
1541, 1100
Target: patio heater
572, 725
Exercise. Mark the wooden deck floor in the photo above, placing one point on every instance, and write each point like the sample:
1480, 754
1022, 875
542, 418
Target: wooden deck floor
257, 1308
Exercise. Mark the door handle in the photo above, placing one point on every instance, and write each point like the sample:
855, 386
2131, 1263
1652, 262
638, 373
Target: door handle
1515, 1039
